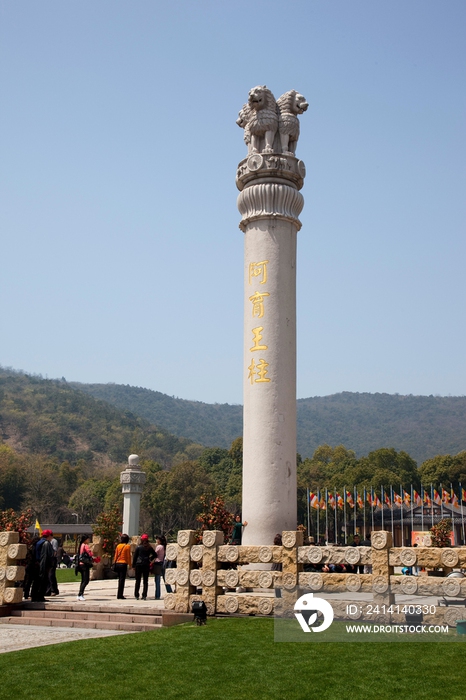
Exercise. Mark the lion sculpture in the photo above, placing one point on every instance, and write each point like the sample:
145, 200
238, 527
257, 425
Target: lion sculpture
263, 119
289, 106
243, 121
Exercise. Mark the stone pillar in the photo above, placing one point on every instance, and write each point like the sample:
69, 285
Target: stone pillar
269, 180
132, 480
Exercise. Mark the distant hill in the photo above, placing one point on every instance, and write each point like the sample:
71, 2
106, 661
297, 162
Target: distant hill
423, 426
44, 416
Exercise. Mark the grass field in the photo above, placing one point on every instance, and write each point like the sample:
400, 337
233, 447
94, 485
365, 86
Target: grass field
232, 659
67, 576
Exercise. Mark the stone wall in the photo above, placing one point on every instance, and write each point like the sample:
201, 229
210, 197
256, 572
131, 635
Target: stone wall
10, 572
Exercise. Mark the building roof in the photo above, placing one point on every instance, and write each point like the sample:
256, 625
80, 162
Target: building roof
65, 529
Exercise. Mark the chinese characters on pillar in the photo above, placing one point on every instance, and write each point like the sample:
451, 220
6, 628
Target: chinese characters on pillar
258, 369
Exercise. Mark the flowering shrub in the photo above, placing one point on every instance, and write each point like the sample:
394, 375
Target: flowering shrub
214, 515
440, 533
10, 521
108, 527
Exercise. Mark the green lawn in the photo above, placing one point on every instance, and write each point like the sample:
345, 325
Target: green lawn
232, 659
67, 576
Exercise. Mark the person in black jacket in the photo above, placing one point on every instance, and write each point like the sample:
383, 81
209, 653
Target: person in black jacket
142, 557
44, 559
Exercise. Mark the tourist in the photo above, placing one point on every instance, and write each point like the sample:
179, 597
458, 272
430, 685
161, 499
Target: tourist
121, 562
30, 567
166, 563
84, 564
237, 532
157, 564
359, 568
277, 566
43, 564
52, 587
143, 555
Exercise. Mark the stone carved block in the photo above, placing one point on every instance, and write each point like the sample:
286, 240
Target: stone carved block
449, 557
231, 578
15, 573
17, 551
352, 555
353, 582
452, 615
379, 539
231, 604
208, 578
170, 601
265, 554
451, 587
265, 579
182, 576
288, 580
197, 552
13, 595
315, 555
380, 584
408, 557
289, 539
195, 578
7, 538
170, 576
211, 538
171, 552
231, 554
409, 585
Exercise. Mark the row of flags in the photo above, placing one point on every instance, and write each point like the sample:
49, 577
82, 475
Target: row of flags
388, 498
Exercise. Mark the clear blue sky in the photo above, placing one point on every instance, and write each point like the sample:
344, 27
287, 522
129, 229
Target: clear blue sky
121, 257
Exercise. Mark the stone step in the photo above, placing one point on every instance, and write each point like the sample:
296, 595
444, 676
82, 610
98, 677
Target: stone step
79, 623
138, 618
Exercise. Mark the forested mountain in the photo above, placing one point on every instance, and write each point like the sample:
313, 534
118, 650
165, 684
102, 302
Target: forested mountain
422, 426
50, 417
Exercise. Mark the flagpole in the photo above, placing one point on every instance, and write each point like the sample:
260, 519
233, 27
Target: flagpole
326, 516
336, 514
381, 495
441, 501
432, 503
355, 505
401, 515
462, 512
318, 518
391, 508
412, 515
364, 512
372, 507
344, 511
422, 508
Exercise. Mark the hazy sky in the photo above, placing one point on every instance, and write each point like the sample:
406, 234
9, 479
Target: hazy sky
121, 253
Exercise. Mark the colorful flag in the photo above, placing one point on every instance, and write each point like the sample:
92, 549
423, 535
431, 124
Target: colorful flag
331, 500
377, 502
349, 499
463, 494
361, 502
427, 499
454, 499
340, 502
388, 501
445, 496
417, 499
406, 498
437, 498
397, 499
369, 498
38, 527
313, 500
322, 504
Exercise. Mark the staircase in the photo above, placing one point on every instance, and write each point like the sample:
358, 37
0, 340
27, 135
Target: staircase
83, 616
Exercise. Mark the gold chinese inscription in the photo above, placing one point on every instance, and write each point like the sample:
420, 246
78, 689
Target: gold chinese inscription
258, 303
260, 370
258, 269
257, 337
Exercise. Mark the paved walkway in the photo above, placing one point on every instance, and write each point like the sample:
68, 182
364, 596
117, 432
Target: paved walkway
15, 637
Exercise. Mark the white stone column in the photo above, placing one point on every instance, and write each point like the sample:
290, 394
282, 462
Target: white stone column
270, 203
132, 480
